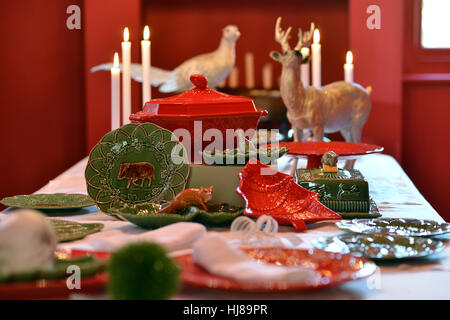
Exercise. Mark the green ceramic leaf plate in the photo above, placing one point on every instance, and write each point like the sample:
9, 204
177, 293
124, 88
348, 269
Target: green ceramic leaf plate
219, 215
88, 265
146, 216
49, 202
71, 230
232, 157
395, 226
373, 213
380, 246
135, 164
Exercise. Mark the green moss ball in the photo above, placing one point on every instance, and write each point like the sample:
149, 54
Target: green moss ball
142, 271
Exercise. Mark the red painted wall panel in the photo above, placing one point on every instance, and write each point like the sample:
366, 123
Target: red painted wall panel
378, 62
42, 110
426, 147
104, 23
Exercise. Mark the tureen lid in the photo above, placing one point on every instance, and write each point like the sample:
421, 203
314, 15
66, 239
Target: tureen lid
200, 100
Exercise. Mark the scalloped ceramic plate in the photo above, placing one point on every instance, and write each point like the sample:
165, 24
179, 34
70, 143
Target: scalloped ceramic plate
50, 202
57, 288
332, 269
268, 192
71, 230
88, 265
395, 226
145, 216
134, 164
380, 246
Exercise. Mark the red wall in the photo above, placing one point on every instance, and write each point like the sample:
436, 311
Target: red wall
426, 146
104, 23
42, 114
378, 62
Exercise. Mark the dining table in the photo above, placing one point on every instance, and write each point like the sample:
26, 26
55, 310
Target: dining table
390, 187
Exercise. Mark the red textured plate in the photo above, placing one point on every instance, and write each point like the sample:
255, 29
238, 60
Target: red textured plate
56, 289
331, 268
268, 192
315, 150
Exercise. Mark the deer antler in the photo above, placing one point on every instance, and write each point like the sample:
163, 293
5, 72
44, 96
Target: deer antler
305, 39
282, 36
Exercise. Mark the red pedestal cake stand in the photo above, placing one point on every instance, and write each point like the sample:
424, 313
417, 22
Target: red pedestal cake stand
313, 151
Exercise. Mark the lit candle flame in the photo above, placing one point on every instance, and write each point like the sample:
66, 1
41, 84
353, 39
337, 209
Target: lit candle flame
146, 33
316, 36
116, 60
126, 34
349, 58
305, 52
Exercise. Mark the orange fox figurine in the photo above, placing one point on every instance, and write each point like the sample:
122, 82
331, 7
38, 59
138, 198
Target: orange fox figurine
189, 197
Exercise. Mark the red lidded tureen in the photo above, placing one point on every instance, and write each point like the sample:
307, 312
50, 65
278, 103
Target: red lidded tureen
201, 108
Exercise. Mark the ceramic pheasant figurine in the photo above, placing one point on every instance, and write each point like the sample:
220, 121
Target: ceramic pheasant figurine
215, 66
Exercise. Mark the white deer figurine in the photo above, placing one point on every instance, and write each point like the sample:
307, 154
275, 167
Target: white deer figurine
338, 106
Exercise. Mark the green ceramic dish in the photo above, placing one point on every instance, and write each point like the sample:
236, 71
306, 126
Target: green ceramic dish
88, 265
146, 216
49, 202
71, 230
135, 164
395, 226
380, 246
236, 157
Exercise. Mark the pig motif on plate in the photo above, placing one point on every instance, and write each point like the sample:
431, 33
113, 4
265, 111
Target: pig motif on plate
136, 171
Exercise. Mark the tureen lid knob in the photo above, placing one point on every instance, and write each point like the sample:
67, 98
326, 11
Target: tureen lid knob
199, 81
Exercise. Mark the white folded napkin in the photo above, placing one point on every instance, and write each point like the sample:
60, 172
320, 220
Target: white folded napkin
173, 237
214, 253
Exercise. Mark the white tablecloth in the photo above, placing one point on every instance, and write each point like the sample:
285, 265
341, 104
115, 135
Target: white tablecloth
395, 195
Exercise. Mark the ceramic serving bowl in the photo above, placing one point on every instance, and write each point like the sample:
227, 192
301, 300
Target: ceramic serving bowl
190, 114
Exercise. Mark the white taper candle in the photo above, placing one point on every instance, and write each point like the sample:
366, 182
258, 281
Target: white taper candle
267, 76
115, 93
249, 71
126, 79
146, 58
305, 68
316, 60
233, 78
348, 67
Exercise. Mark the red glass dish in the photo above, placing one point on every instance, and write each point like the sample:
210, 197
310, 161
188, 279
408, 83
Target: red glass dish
331, 268
57, 288
266, 191
314, 151
198, 110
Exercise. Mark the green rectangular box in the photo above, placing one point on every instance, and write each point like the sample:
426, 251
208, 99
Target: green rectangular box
342, 191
